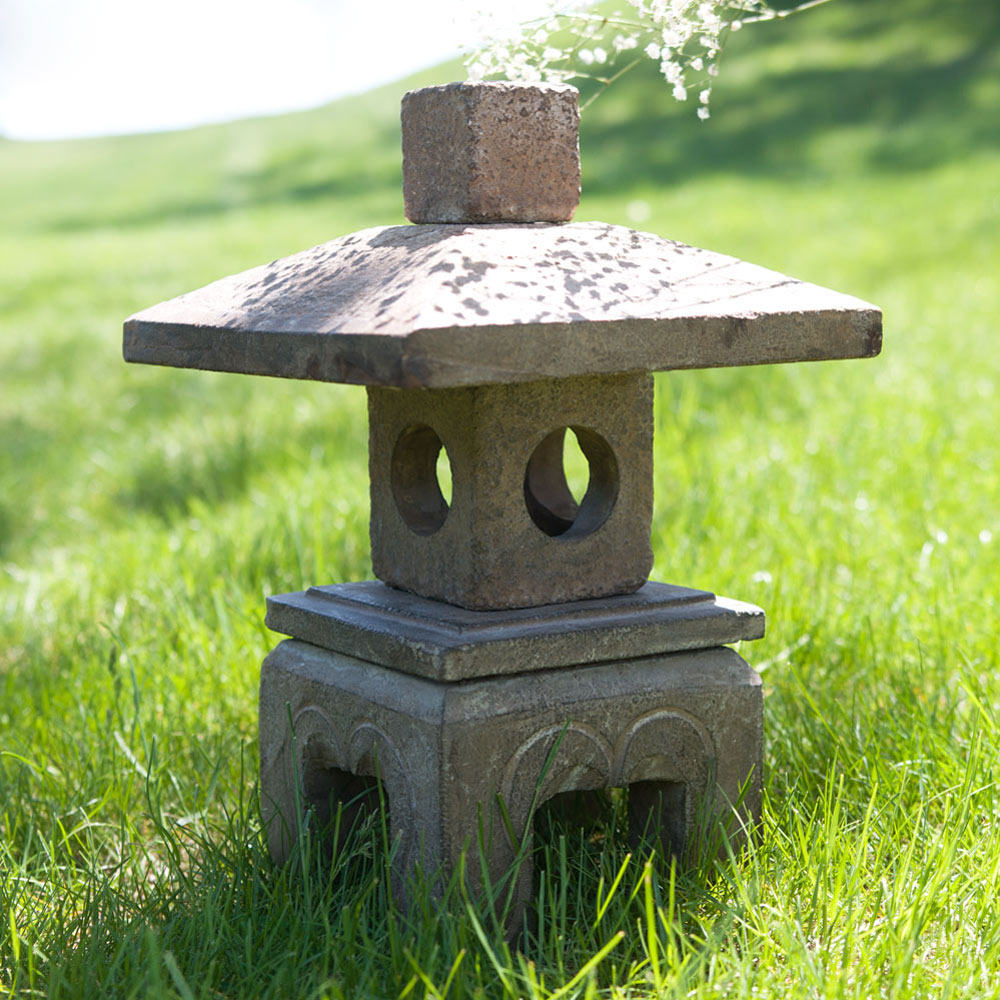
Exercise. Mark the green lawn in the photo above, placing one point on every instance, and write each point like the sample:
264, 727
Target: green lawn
145, 514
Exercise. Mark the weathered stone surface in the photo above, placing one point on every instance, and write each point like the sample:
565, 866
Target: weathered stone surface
438, 306
370, 621
682, 731
513, 536
491, 152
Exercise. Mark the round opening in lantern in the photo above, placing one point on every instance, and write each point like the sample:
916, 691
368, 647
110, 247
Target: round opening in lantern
421, 477
571, 482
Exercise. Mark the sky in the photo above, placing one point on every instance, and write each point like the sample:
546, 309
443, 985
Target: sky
73, 68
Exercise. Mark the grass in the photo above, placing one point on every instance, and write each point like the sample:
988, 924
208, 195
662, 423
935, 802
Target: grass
145, 513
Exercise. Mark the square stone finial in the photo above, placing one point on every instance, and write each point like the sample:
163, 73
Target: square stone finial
491, 152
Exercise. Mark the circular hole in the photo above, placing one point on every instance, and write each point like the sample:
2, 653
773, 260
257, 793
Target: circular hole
571, 482
420, 466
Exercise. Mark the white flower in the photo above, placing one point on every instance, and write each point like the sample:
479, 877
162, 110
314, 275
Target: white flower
671, 71
680, 35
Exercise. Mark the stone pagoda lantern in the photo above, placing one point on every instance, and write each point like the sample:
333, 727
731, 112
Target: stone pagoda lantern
511, 649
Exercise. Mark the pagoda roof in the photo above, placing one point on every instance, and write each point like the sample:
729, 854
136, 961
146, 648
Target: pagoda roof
448, 305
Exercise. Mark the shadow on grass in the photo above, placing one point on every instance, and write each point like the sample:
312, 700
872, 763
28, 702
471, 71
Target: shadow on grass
912, 111
168, 486
221, 918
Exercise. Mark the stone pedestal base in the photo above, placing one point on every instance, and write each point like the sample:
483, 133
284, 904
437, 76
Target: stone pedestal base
465, 764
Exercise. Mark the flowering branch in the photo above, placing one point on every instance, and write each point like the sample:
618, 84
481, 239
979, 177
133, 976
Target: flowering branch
684, 36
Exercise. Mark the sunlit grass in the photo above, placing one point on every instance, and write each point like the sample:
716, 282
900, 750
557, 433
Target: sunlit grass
145, 514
